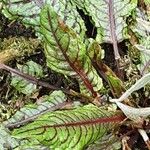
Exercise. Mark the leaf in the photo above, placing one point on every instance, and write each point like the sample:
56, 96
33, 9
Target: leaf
108, 142
107, 14
9, 142
135, 114
147, 2
28, 12
115, 84
109, 17
70, 129
144, 64
66, 53
23, 85
55, 100
138, 85
6, 141
69, 15
142, 30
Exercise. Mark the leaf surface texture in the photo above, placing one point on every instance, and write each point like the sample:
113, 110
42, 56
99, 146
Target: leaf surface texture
70, 129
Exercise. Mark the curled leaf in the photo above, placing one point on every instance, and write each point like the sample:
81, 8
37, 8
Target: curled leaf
132, 113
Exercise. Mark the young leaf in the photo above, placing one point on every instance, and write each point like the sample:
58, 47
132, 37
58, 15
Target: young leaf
108, 142
115, 84
51, 102
23, 85
70, 129
109, 17
138, 85
66, 53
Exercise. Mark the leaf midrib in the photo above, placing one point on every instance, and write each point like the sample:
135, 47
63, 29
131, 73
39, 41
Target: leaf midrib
79, 71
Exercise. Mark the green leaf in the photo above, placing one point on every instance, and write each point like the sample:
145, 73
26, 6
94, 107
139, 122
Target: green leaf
109, 17
51, 102
115, 84
132, 113
6, 141
138, 85
70, 129
135, 114
105, 13
69, 15
144, 65
147, 2
28, 12
66, 53
22, 85
142, 31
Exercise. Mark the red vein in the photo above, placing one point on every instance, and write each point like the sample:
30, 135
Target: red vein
112, 29
78, 70
90, 122
113, 119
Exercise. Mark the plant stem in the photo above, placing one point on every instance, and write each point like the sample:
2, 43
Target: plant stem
84, 98
32, 118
